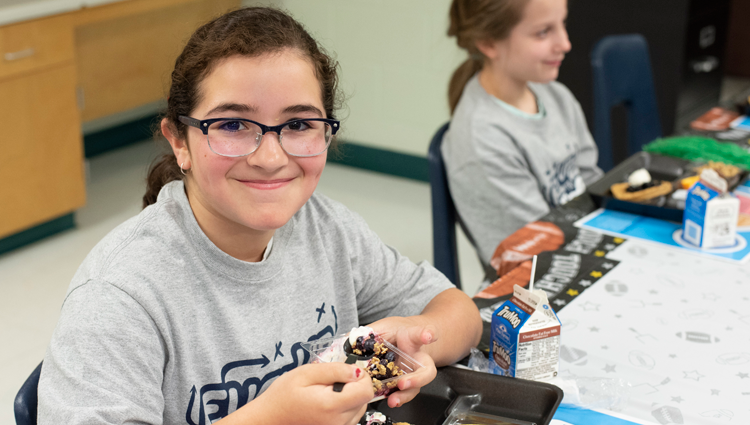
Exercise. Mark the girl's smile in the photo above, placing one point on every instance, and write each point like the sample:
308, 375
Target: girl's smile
266, 184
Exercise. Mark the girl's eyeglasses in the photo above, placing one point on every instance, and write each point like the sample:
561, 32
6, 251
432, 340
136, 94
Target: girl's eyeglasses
236, 137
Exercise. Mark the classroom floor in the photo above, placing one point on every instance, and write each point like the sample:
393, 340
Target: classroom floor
35, 278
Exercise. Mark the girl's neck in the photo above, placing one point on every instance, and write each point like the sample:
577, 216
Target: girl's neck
512, 91
247, 246
234, 239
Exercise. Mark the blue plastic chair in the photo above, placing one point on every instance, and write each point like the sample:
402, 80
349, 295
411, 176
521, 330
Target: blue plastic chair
621, 71
25, 403
445, 253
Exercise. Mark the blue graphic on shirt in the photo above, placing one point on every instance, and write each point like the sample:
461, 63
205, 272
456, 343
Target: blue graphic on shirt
220, 396
321, 311
564, 182
278, 351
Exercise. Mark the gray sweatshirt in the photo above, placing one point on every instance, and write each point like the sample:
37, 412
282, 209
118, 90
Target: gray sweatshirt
159, 326
506, 169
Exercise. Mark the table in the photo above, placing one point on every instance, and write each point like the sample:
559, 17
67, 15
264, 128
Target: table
654, 332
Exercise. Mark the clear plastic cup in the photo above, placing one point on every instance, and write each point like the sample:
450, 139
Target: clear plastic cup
331, 349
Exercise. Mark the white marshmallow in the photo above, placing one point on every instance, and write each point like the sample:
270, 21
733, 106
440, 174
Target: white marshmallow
639, 177
376, 418
355, 333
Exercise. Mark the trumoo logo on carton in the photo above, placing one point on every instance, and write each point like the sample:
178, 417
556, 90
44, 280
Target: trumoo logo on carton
525, 337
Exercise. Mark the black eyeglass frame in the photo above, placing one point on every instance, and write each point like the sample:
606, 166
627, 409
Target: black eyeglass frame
204, 124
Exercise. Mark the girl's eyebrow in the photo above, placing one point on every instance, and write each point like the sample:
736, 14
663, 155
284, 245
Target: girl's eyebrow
235, 107
239, 107
297, 109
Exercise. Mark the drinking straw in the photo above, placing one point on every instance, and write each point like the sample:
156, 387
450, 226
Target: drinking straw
533, 271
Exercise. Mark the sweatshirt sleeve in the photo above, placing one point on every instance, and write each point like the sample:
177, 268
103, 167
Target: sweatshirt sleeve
105, 362
386, 282
495, 193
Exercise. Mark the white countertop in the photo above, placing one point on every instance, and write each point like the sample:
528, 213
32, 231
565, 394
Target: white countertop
12, 11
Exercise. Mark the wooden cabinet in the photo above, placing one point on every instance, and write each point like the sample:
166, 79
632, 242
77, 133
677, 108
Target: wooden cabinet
125, 51
41, 156
56, 72
35, 45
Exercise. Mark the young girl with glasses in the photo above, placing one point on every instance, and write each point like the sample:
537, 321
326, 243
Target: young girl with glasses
195, 310
518, 143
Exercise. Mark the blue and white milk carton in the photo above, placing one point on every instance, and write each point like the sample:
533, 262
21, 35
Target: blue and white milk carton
525, 337
710, 219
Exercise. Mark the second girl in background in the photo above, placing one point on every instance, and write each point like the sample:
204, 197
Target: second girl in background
518, 143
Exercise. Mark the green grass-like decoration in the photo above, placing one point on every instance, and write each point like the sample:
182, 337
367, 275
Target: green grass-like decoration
700, 149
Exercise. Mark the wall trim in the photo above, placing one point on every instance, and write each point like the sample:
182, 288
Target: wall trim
36, 233
381, 160
120, 135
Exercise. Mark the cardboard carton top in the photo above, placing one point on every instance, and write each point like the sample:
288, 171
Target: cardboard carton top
713, 180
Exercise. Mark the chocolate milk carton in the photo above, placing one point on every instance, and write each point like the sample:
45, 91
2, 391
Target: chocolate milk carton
525, 337
710, 218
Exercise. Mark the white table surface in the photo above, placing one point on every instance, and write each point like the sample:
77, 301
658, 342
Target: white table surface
664, 336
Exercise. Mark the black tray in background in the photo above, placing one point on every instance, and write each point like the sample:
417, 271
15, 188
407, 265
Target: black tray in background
513, 398
661, 168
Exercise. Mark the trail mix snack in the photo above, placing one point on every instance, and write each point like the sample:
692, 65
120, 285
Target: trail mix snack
640, 187
382, 361
363, 347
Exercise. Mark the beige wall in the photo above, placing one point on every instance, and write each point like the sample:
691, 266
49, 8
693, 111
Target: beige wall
396, 60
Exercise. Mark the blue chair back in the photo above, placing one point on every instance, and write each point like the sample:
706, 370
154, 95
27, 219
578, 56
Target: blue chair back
445, 253
621, 71
24, 406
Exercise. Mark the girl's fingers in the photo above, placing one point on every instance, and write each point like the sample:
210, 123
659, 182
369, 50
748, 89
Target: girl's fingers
399, 398
358, 415
356, 394
410, 385
410, 339
418, 379
429, 335
402, 331
422, 335
330, 373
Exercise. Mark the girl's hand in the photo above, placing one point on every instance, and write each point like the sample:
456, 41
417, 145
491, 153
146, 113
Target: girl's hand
411, 337
305, 395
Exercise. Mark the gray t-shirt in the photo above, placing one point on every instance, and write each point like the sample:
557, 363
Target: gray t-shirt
160, 326
505, 170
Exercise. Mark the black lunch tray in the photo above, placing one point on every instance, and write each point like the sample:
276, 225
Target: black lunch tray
530, 401
661, 168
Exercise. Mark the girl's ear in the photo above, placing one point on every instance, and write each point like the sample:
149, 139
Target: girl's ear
489, 48
179, 146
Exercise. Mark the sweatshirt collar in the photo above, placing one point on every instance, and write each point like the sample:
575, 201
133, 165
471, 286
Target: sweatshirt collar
215, 258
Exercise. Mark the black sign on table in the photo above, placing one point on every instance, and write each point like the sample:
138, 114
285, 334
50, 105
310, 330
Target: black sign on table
569, 261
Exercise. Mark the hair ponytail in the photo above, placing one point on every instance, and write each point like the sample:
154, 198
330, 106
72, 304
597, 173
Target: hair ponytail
460, 77
161, 172
477, 20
